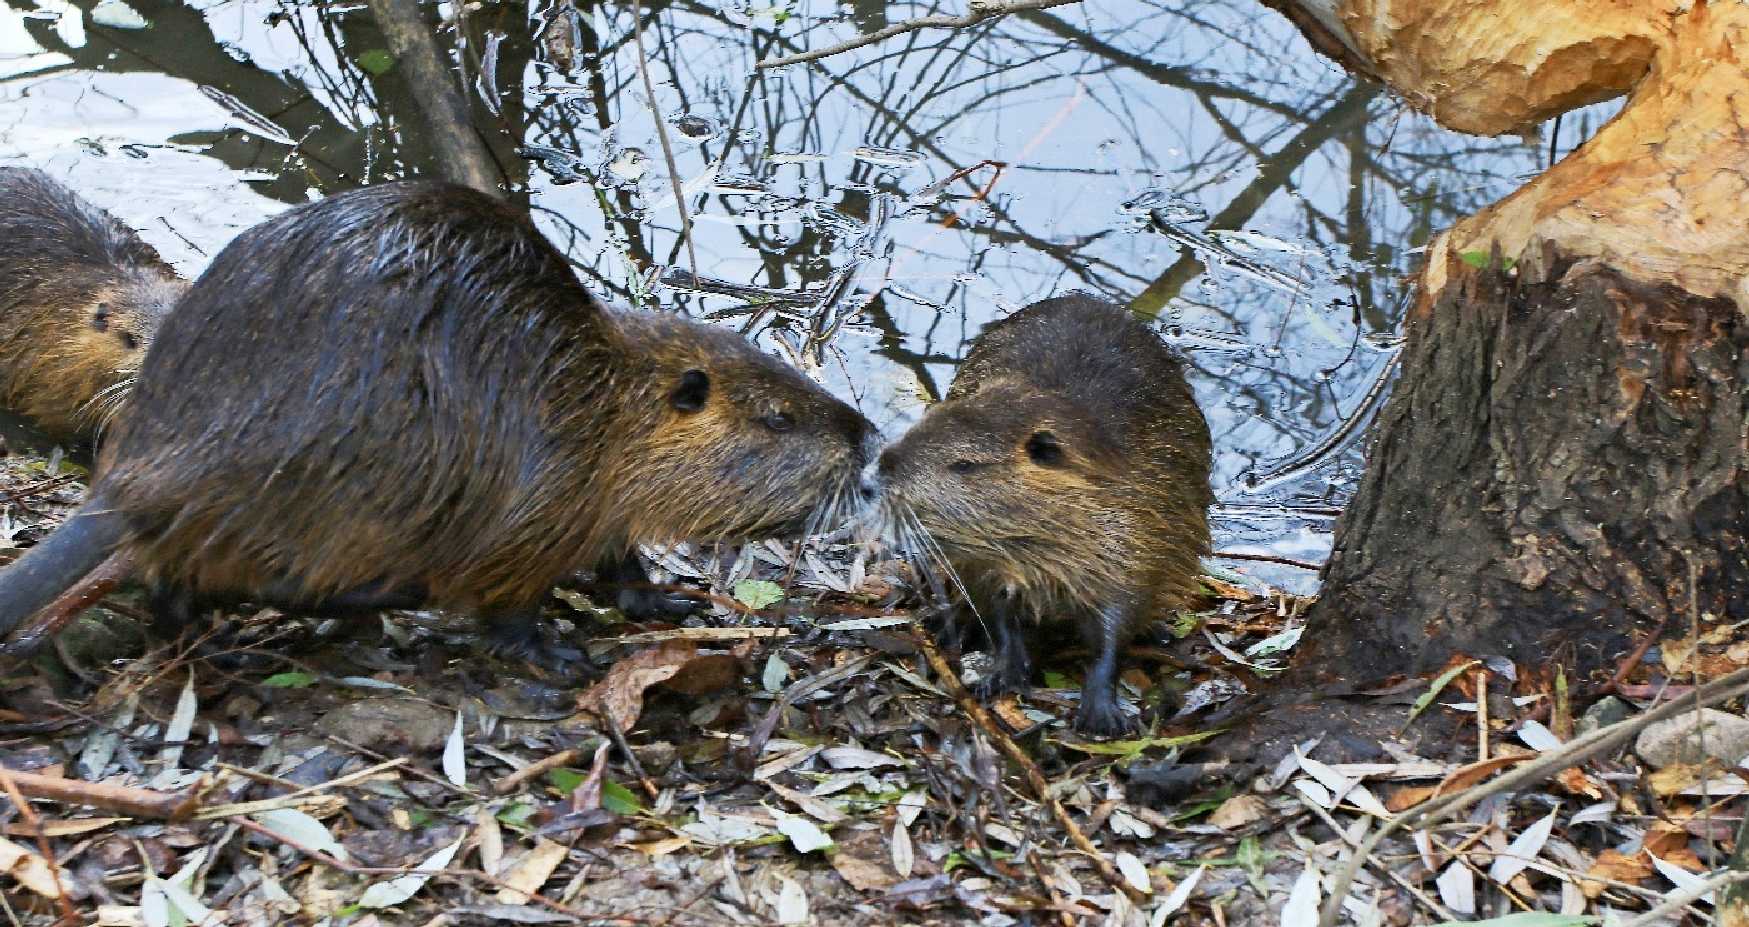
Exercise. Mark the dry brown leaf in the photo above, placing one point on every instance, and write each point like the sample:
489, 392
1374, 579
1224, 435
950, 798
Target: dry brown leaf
1409, 796
529, 873
862, 860
816, 808
62, 828
1675, 777
1669, 842
1738, 653
29, 869
1238, 811
620, 694
705, 673
1466, 776
661, 847
1576, 782
1620, 867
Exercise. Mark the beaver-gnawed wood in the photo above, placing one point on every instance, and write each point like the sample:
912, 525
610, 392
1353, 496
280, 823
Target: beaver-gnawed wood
1066, 475
81, 297
405, 392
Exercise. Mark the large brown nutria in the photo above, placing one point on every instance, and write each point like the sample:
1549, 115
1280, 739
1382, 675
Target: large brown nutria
404, 392
81, 297
1066, 475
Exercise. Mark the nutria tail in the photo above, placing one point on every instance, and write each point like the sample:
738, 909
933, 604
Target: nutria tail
62, 559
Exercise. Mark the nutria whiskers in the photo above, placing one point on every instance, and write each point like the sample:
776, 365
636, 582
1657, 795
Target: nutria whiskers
81, 297
404, 393
1066, 475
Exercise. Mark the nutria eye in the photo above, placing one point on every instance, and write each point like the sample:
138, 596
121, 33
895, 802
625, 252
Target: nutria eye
962, 466
128, 340
777, 421
690, 395
1044, 449
100, 318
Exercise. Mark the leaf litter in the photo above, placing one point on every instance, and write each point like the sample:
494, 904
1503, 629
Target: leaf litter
786, 755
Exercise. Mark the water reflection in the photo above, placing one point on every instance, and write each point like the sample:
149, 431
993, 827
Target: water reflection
864, 214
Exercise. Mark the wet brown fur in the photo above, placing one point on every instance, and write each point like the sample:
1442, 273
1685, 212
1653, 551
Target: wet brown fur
81, 297
461, 418
1106, 523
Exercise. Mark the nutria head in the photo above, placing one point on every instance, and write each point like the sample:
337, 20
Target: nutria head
1021, 490
725, 442
81, 297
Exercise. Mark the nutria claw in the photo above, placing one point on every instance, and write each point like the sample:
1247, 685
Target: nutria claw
1100, 716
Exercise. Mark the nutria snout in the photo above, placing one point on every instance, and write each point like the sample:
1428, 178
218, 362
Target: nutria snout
467, 427
1065, 475
81, 298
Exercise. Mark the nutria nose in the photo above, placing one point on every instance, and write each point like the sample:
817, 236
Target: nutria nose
868, 486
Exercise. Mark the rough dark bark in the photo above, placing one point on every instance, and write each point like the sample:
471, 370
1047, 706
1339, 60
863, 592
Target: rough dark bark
1561, 466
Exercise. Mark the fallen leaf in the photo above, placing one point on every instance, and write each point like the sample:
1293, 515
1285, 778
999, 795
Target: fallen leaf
1574, 781
1238, 811
1523, 850
1301, 909
858, 859
663, 847
30, 869
399, 889
301, 829
817, 808
1616, 866
528, 874
803, 834
1674, 778
619, 696
455, 763
792, 902
1136, 874
1457, 888
1676, 652
704, 674
1176, 899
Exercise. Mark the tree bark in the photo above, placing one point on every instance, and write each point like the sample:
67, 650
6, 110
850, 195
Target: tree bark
1562, 463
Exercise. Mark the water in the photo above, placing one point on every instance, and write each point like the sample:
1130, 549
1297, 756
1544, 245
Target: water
863, 215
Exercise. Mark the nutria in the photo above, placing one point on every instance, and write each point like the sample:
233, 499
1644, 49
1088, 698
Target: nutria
1066, 474
403, 392
80, 298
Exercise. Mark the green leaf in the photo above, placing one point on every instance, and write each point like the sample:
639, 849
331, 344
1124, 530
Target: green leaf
1058, 681
758, 593
289, 680
1530, 919
1184, 624
1433, 691
515, 816
619, 799
566, 780
1477, 259
377, 61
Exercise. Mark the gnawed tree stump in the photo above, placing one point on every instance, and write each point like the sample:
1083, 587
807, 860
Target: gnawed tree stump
1562, 464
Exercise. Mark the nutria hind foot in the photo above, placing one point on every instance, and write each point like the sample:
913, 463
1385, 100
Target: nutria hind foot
625, 575
517, 635
1099, 714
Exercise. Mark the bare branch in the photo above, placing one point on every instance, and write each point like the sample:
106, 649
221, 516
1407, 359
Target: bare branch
463, 156
980, 11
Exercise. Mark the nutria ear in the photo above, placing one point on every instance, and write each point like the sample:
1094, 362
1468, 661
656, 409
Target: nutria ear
694, 389
1044, 449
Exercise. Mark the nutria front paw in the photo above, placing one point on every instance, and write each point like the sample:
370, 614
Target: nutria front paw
1101, 717
524, 641
648, 604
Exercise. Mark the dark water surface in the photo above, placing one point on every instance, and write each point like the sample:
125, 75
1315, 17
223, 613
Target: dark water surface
1194, 158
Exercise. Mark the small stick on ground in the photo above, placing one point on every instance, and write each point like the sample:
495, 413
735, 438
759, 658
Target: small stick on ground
540, 767
137, 803
463, 157
1481, 715
83, 594
69, 915
1034, 777
1548, 763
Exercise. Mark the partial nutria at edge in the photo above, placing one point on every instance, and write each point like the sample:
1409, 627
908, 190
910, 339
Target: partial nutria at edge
1066, 475
81, 296
461, 424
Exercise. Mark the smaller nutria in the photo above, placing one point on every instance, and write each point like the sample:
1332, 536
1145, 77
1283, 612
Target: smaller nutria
464, 426
81, 297
1066, 474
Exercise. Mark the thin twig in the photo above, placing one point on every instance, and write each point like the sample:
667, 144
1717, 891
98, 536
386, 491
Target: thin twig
509, 783
980, 11
136, 803
662, 136
1577, 751
1267, 558
1034, 777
